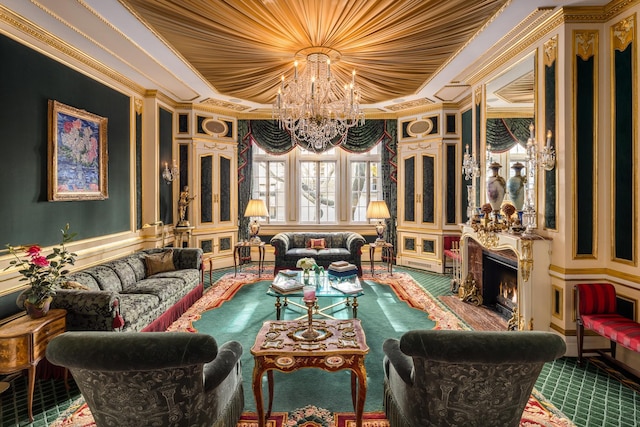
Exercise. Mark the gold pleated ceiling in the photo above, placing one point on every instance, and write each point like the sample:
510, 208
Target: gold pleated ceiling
244, 47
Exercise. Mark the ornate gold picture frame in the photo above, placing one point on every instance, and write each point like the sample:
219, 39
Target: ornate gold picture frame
77, 154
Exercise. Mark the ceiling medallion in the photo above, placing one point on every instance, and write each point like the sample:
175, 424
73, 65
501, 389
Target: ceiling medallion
316, 107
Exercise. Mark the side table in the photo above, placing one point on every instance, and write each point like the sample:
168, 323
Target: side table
280, 346
23, 343
182, 232
242, 254
386, 250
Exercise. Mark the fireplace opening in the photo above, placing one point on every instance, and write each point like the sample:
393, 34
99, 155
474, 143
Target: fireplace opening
500, 281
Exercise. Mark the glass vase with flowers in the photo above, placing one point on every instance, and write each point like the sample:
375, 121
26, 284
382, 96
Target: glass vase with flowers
306, 264
44, 273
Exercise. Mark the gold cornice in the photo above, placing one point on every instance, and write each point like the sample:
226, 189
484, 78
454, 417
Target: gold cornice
543, 25
510, 112
480, 30
550, 51
622, 33
32, 30
598, 14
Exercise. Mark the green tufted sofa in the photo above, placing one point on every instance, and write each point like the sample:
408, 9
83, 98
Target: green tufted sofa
121, 297
154, 379
340, 246
463, 378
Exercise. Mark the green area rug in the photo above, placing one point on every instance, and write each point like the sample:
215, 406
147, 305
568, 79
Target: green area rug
236, 307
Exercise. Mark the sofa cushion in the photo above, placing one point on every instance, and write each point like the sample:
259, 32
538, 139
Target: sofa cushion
297, 240
317, 243
138, 310
166, 289
158, 263
107, 279
190, 277
302, 252
124, 271
136, 261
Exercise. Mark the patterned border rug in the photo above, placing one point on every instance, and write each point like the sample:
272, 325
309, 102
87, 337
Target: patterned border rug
538, 412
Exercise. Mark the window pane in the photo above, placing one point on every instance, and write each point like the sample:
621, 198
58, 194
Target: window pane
308, 191
276, 202
365, 187
327, 190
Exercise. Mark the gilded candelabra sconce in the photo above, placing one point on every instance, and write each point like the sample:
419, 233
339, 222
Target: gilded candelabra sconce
471, 171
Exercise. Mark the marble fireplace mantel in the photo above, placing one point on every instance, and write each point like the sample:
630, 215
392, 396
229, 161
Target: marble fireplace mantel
534, 283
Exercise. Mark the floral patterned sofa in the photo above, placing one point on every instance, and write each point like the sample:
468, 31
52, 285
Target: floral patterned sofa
144, 291
325, 248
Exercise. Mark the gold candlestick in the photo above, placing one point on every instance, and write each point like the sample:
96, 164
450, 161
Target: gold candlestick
310, 334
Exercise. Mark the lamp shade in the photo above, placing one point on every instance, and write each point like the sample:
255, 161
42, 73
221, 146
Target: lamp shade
378, 209
256, 207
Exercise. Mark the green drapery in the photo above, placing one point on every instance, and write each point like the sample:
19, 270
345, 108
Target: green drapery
504, 133
268, 136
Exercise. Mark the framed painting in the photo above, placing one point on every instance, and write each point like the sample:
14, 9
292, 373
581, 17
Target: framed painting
77, 154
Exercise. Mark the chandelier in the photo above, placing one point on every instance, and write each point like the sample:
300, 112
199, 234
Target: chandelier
314, 107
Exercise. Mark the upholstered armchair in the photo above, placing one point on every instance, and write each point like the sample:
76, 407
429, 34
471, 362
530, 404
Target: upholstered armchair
463, 378
154, 378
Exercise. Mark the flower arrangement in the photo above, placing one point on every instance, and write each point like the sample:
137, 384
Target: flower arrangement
306, 264
44, 273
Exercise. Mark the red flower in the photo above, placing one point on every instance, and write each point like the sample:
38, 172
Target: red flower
34, 250
40, 261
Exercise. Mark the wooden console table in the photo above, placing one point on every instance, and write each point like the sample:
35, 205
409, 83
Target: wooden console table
242, 254
23, 342
279, 346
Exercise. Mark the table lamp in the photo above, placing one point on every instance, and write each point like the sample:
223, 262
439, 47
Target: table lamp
255, 208
378, 209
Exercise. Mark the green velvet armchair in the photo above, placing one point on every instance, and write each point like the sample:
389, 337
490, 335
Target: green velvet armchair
154, 378
463, 378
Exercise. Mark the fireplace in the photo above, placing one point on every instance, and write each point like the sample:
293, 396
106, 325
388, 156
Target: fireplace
500, 281
510, 273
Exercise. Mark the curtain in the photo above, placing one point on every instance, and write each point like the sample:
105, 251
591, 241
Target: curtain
503, 134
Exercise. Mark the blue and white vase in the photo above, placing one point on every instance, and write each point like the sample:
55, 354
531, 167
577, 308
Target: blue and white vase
496, 187
515, 186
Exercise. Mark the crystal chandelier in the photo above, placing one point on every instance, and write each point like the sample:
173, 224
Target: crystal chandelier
315, 107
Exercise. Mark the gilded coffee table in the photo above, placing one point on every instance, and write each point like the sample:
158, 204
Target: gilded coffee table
280, 346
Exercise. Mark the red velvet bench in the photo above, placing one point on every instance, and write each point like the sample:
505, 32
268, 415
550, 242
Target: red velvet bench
596, 303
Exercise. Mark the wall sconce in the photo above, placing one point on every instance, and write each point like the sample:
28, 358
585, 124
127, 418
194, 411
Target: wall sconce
471, 170
548, 154
170, 174
255, 208
378, 209
153, 224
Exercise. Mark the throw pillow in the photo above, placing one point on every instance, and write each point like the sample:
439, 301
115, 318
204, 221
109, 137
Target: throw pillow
317, 243
160, 262
69, 284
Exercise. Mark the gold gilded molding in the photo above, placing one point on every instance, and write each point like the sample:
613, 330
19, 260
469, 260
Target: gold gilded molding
478, 95
410, 104
137, 105
623, 33
526, 258
585, 43
550, 51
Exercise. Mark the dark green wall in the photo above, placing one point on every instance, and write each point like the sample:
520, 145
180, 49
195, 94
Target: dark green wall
28, 80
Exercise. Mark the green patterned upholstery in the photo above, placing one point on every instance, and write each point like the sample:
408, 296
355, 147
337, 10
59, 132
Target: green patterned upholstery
340, 246
463, 378
156, 378
121, 297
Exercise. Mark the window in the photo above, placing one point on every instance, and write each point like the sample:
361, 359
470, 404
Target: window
320, 188
269, 183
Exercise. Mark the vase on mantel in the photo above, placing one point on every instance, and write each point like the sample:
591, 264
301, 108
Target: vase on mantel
515, 186
496, 187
